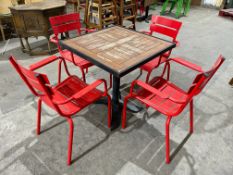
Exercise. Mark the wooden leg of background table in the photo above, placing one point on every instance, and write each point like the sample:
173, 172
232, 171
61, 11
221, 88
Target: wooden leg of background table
2, 32
116, 107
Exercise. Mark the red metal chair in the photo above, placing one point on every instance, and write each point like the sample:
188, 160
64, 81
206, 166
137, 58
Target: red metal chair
164, 26
67, 98
64, 24
167, 98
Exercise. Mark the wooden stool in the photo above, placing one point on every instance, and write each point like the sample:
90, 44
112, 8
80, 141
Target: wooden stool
100, 13
2, 31
75, 3
127, 11
6, 23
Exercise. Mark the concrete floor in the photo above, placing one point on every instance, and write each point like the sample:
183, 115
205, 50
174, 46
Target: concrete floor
139, 149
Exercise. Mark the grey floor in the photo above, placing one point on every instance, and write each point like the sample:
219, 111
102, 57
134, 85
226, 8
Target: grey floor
140, 148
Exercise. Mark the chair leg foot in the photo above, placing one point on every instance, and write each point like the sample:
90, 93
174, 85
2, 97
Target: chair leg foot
167, 139
38, 117
70, 142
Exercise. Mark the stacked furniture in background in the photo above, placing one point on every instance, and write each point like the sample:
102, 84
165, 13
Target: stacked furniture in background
127, 11
100, 13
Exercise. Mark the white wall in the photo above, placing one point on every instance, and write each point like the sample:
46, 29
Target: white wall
214, 3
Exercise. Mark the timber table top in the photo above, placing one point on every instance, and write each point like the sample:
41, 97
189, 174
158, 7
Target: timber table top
116, 49
44, 5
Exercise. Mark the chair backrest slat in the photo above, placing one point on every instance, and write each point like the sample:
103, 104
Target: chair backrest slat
35, 84
165, 26
65, 23
203, 78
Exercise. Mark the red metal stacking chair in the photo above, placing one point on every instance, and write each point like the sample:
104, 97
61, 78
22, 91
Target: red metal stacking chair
67, 98
167, 98
164, 26
64, 24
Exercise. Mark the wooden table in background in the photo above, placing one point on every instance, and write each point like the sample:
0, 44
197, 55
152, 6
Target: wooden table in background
118, 51
32, 20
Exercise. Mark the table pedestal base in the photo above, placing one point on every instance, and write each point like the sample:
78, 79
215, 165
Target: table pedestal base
117, 104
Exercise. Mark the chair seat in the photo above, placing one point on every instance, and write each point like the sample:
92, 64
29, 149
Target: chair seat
68, 88
165, 106
78, 60
154, 63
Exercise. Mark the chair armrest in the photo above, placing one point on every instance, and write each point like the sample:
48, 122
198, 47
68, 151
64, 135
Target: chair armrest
186, 64
91, 87
43, 62
147, 87
84, 91
146, 32
154, 91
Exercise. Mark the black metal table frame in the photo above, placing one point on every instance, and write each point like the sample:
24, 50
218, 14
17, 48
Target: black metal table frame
116, 107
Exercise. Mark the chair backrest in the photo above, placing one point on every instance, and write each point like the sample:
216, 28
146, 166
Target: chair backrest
202, 79
36, 82
65, 23
165, 26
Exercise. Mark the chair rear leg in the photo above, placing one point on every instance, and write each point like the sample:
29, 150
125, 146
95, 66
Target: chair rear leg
140, 72
148, 76
167, 139
70, 142
110, 81
59, 71
38, 117
168, 70
191, 117
109, 111
123, 124
83, 75
66, 68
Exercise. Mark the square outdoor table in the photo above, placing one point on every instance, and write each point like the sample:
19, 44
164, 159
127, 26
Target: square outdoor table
118, 51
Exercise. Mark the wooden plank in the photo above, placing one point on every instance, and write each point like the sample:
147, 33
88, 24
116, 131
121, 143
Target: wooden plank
44, 5
117, 48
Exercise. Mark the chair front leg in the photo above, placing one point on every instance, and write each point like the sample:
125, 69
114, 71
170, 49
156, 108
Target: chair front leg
167, 139
70, 142
191, 117
38, 117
